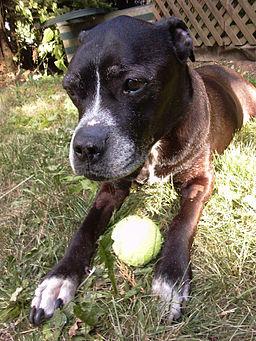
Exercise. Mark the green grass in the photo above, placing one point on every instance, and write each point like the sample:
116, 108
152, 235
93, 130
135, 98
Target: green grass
41, 204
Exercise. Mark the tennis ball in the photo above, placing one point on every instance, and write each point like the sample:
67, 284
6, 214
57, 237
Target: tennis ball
136, 240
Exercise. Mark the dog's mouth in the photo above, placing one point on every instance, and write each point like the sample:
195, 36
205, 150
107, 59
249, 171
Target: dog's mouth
101, 178
109, 171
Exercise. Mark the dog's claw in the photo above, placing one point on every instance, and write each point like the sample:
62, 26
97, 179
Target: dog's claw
38, 317
50, 295
32, 314
59, 303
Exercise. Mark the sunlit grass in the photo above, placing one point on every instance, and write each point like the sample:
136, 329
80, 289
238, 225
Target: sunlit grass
42, 204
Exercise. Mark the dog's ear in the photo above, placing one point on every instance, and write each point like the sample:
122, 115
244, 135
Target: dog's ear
82, 36
181, 39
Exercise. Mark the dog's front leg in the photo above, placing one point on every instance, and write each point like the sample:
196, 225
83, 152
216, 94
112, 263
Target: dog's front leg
173, 272
59, 286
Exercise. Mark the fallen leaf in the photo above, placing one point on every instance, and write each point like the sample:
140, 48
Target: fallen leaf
73, 329
16, 294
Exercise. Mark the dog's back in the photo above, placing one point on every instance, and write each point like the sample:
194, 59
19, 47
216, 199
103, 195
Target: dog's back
236, 101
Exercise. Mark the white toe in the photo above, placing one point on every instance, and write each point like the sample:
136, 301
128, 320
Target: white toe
172, 297
67, 291
52, 289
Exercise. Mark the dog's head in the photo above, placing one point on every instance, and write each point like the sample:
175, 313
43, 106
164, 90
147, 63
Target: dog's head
124, 80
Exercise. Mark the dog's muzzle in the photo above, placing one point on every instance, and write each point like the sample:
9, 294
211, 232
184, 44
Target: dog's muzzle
104, 154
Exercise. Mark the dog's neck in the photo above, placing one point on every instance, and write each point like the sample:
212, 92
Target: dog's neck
188, 136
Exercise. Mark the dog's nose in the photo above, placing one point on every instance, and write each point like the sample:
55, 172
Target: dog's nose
89, 143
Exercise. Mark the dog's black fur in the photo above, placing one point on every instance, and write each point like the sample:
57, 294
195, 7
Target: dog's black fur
144, 114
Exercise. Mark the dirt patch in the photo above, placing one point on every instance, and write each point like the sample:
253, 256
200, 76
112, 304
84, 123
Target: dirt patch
6, 77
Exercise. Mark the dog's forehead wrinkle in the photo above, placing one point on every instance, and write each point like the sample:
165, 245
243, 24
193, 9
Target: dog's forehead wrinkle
120, 73
71, 79
85, 73
115, 70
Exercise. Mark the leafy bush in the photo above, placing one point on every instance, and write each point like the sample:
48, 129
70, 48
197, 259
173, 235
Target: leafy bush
34, 45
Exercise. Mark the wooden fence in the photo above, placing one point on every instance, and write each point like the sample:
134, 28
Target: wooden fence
215, 23
220, 28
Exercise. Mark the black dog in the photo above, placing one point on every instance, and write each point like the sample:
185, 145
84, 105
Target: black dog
144, 114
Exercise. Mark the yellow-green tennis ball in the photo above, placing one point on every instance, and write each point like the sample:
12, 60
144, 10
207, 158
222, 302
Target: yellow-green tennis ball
136, 240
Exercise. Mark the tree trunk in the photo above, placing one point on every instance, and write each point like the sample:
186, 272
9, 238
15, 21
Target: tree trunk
7, 66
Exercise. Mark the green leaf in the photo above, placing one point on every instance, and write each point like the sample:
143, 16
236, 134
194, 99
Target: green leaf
88, 313
58, 51
60, 64
52, 329
48, 35
131, 293
107, 258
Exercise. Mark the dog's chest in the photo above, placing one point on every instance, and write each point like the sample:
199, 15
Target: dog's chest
152, 171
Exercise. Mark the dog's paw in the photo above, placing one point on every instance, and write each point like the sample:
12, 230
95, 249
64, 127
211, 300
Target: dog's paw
51, 294
172, 297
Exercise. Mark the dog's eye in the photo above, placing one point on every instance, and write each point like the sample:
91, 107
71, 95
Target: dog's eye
133, 85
